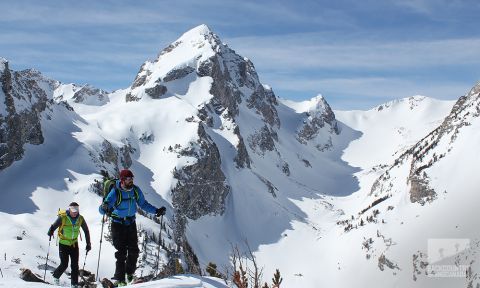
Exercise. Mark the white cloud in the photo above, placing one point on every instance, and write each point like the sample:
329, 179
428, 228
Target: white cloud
90, 12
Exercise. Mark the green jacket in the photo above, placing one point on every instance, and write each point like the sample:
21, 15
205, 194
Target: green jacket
69, 228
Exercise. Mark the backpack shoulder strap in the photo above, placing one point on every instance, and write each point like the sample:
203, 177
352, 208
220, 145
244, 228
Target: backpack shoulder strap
80, 222
63, 215
135, 192
118, 195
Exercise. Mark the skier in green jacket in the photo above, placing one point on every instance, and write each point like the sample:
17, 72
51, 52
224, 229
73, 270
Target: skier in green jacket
68, 223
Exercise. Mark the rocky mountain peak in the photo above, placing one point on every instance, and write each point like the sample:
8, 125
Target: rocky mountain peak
198, 39
474, 90
319, 116
177, 61
318, 104
202, 33
24, 95
197, 54
87, 92
411, 102
3, 64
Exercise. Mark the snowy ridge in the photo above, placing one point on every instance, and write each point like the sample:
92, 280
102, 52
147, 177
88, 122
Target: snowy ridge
85, 94
420, 183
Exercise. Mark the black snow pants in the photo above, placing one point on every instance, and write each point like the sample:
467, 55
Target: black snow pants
125, 240
65, 252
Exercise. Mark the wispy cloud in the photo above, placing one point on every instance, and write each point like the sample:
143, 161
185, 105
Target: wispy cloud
366, 71
86, 12
368, 51
309, 51
419, 6
365, 93
374, 87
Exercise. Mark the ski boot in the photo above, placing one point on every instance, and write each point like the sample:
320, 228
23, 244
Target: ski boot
56, 281
120, 283
130, 278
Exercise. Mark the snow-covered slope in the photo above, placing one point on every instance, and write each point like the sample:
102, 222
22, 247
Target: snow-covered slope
340, 254
391, 128
185, 281
436, 178
234, 164
57, 168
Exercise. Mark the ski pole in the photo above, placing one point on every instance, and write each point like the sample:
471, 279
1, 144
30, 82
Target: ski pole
100, 249
1, 272
85, 260
159, 243
46, 262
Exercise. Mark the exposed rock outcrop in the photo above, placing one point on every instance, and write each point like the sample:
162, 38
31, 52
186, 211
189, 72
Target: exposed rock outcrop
201, 188
24, 99
87, 92
319, 116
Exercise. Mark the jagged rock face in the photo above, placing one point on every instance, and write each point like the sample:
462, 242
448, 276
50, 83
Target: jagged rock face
87, 92
317, 118
242, 159
178, 73
430, 150
264, 101
263, 140
141, 77
420, 192
223, 93
201, 188
230, 73
157, 91
24, 100
113, 159
230, 78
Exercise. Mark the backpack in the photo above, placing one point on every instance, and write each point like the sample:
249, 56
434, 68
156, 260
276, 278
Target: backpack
110, 184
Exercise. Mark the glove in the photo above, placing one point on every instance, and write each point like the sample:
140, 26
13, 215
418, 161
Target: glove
50, 231
106, 209
160, 211
89, 247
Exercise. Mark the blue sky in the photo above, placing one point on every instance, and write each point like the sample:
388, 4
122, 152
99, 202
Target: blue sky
357, 54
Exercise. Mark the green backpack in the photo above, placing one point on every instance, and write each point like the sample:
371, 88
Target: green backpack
110, 184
